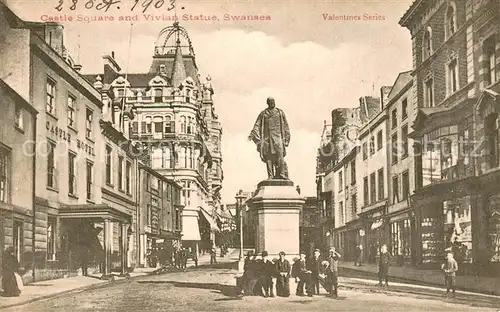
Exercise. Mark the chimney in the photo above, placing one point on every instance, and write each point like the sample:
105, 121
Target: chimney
54, 36
113, 54
298, 189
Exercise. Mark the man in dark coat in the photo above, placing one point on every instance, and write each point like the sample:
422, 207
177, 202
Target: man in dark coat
301, 275
283, 279
267, 272
383, 266
332, 273
9, 267
314, 265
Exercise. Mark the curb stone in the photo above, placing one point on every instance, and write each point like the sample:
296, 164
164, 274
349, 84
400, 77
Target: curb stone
74, 290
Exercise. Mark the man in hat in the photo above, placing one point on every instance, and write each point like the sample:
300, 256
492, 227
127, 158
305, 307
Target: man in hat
301, 275
314, 265
332, 273
267, 271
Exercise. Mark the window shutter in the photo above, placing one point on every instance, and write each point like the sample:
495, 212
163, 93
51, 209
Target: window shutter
143, 127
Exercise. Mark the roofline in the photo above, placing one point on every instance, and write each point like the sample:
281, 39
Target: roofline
403, 22
18, 97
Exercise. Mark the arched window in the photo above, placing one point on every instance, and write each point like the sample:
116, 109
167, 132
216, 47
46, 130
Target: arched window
451, 20
427, 43
183, 124
182, 157
158, 95
167, 158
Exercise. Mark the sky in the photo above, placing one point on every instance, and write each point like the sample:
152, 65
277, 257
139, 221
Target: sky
309, 63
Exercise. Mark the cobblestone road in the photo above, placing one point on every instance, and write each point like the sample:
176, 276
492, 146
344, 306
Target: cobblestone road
210, 290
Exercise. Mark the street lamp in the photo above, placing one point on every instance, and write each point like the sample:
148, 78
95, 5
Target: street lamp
239, 202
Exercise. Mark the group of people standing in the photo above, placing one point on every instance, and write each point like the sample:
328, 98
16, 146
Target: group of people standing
259, 274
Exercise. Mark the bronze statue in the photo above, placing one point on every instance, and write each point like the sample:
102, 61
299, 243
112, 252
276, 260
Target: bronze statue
271, 135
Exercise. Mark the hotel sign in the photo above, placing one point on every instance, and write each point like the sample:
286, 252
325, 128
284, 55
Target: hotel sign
62, 134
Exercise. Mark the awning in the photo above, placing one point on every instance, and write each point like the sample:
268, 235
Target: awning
190, 228
94, 211
210, 220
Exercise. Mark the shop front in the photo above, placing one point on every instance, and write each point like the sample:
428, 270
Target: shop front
402, 236
354, 237
376, 231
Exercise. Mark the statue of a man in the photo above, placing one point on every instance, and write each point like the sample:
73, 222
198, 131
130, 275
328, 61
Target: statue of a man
271, 134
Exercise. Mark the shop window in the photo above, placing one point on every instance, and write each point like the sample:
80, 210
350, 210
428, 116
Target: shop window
458, 227
432, 239
51, 238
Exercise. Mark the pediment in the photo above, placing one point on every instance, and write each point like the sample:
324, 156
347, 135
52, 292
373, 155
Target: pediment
157, 81
120, 82
488, 102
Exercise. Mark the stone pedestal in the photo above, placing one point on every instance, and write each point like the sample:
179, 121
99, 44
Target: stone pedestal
275, 211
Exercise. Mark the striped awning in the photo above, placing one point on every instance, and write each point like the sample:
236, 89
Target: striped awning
210, 220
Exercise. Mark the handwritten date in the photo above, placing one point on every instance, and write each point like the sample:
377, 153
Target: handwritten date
105, 5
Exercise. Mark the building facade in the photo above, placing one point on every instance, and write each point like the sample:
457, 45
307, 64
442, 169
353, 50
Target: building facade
455, 70
400, 161
176, 125
17, 181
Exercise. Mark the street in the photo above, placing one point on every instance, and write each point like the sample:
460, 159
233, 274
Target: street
210, 289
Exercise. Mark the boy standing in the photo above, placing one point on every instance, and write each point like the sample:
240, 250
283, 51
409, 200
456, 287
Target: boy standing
450, 267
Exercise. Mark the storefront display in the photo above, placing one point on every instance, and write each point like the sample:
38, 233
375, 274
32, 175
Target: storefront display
432, 239
401, 239
458, 228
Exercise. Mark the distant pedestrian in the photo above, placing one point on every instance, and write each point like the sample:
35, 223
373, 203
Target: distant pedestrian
383, 266
450, 267
283, 279
213, 256
359, 253
195, 258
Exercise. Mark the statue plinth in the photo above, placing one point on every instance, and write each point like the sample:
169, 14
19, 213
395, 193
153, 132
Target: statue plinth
275, 210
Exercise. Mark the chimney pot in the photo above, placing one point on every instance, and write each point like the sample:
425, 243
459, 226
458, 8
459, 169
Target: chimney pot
113, 54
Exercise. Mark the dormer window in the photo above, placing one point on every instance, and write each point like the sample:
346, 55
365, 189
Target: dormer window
451, 20
158, 95
427, 43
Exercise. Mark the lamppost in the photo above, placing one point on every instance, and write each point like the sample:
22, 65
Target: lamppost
239, 202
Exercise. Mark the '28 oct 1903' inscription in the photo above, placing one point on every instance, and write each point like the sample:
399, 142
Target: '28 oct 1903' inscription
105, 5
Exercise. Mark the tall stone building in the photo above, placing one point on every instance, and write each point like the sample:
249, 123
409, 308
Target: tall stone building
455, 88
176, 126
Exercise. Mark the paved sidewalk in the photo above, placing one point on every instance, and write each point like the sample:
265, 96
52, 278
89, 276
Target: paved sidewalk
476, 284
52, 288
